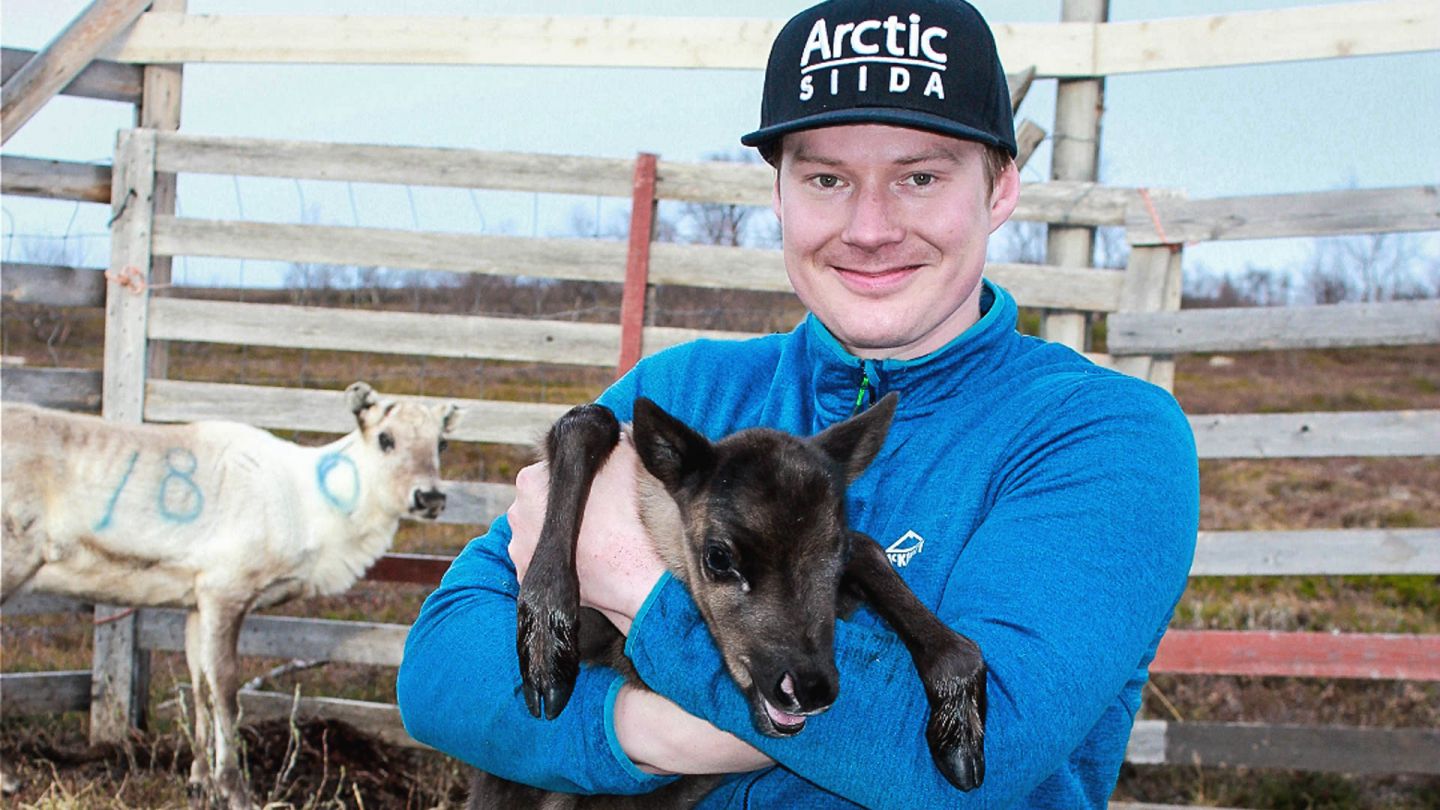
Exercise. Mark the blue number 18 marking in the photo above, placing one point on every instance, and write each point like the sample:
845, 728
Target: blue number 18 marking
104, 522
180, 465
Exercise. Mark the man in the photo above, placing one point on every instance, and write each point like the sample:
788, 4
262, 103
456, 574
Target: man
1040, 505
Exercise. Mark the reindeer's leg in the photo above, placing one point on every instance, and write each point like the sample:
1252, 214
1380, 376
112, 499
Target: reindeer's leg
547, 627
219, 633
200, 723
22, 555
949, 664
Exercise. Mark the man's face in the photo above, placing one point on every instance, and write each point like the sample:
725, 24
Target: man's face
885, 231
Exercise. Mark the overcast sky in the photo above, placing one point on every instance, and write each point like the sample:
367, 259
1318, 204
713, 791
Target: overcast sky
1367, 122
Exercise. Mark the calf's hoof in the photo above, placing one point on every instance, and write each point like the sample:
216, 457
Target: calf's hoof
956, 731
547, 640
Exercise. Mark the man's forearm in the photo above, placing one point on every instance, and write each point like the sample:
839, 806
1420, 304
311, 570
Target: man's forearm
661, 738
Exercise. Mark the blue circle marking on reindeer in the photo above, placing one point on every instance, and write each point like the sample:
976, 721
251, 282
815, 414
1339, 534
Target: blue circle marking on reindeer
337, 465
180, 499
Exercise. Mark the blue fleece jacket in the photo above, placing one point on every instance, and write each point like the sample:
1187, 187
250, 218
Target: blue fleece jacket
1041, 505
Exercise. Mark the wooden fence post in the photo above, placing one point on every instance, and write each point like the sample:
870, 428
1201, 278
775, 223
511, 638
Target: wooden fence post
119, 682
1078, 105
1152, 284
160, 110
637, 263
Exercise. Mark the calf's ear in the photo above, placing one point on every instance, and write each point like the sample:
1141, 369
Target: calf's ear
361, 398
854, 443
449, 418
669, 448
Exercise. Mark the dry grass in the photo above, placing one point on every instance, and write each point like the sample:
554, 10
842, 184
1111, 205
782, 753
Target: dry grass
340, 768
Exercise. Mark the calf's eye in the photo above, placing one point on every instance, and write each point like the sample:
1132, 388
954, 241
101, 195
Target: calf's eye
387, 442
718, 560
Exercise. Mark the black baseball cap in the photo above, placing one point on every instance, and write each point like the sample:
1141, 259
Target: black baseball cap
925, 64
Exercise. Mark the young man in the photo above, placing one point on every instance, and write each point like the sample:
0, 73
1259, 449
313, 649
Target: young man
1040, 505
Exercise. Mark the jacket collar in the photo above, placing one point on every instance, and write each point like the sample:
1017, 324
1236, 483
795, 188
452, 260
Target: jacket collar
844, 384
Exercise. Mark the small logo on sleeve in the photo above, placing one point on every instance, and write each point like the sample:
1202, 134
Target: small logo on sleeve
902, 551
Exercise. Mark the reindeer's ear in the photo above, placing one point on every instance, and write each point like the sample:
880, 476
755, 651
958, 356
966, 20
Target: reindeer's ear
361, 398
854, 443
668, 448
449, 418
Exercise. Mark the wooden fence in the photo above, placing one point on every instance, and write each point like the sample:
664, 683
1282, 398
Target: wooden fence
1141, 303
1146, 329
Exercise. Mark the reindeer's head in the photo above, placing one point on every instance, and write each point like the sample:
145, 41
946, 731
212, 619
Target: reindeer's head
763, 520
400, 450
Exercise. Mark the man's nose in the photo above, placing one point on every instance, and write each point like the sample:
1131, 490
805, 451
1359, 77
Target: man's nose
874, 220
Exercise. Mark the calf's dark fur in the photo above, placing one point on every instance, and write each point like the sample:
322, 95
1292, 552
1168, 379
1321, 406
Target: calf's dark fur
754, 525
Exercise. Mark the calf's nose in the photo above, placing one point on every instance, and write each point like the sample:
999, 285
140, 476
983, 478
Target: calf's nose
429, 502
809, 691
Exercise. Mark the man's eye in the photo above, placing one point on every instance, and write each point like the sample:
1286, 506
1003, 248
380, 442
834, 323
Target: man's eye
922, 178
827, 181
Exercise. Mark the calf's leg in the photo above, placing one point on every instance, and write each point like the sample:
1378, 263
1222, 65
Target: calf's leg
200, 725
220, 620
547, 610
950, 665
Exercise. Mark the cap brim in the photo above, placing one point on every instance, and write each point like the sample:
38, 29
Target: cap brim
876, 115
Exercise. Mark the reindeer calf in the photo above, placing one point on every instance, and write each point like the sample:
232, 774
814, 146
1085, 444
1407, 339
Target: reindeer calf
217, 517
755, 526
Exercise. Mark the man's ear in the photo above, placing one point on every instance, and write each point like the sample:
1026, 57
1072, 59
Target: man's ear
1005, 196
670, 449
775, 198
854, 443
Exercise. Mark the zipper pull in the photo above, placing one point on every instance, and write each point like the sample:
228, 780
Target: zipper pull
864, 385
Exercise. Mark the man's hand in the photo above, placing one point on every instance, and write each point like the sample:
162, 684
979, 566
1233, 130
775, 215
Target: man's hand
614, 559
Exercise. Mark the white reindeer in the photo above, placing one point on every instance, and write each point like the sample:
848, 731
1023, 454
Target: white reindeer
218, 517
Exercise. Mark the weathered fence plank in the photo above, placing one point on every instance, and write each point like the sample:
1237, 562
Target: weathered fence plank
1309, 748
286, 637
24, 693
1263, 37
1328, 552
1396, 323
574, 259
405, 165
68, 389
1055, 49
107, 81
413, 333
54, 179
474, 503
378, 720
35, 604
40, 78
324, 411
1317, 435
1324, 213
53, 285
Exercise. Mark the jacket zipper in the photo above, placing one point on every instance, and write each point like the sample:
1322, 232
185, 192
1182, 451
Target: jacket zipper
864, 387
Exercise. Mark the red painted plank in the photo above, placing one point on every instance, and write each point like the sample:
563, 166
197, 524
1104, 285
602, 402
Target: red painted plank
1304, 655
416, 569
1372, 656
637, 264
